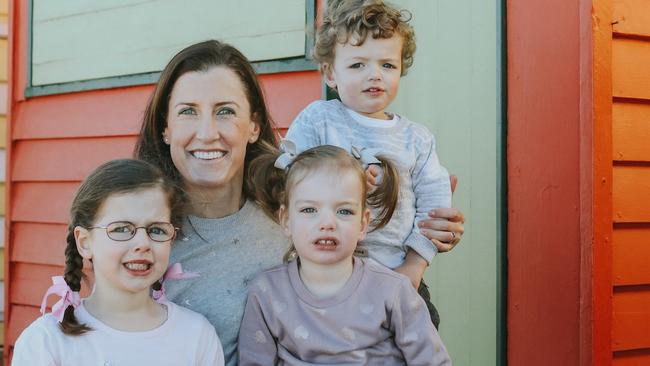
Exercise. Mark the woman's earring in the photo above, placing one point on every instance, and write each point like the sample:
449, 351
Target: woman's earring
166, 140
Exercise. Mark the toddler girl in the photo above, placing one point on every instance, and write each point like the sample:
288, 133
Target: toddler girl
123, 220
363, 48
326, 306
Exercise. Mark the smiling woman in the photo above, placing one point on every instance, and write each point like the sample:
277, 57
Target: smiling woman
208, 128
205, 123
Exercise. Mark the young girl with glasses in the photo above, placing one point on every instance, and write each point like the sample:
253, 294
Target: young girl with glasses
326, 306
122, 221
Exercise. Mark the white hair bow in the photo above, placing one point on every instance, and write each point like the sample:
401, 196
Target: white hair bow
289, 152
366, 155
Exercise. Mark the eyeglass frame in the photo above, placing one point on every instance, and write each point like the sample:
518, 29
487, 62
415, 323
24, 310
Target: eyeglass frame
135, 232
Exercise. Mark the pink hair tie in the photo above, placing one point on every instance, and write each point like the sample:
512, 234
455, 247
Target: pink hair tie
68, 297
174, 272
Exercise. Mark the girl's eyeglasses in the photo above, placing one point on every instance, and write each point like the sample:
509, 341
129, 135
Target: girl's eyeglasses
124, 230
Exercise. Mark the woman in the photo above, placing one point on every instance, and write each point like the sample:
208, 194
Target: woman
205, 122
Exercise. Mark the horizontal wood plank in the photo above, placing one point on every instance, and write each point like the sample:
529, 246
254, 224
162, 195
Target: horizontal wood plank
42, 202
66, 159
4, 53
39, 243
632, 358
288, 94
631, 256
631, 131
115, 112
3, 131
631, 17
30, 281
2, 231
20, 317
631, 318
630, 71
2, 198
3, 99
631, 194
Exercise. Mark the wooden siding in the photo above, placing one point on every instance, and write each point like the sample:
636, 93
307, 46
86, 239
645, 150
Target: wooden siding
579, 99
55, 141
549, 195
631, 173
4, 60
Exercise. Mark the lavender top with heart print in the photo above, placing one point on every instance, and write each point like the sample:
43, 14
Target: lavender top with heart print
376, 318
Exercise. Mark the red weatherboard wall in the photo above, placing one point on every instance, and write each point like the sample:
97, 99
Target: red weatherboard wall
579, 182
549, 182
55, 141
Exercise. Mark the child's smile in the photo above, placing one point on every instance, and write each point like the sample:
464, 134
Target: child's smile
139, 267
133, 265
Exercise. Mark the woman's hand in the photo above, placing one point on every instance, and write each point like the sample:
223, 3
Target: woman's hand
445, 225
444, 228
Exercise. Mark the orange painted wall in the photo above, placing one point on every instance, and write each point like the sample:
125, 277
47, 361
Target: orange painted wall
630, 69
579, 182
55, 141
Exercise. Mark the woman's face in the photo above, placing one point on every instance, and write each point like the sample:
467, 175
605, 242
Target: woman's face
209, 126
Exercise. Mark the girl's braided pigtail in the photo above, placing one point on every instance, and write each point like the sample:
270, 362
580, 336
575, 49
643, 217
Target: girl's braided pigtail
73, 276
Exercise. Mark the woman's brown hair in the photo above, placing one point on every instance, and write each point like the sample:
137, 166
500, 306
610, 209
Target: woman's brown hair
113, 177
278, 183
201, 57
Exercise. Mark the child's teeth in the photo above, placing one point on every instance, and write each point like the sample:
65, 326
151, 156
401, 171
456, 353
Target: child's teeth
325, 242
137, 266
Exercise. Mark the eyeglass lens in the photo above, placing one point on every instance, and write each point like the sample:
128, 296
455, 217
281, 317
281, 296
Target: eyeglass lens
124, 230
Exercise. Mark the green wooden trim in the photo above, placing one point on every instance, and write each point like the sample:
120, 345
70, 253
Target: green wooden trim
261, 67
30, 35
310, 34
502, 188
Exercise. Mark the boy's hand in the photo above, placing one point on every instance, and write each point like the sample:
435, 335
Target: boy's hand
413, 268
372, 172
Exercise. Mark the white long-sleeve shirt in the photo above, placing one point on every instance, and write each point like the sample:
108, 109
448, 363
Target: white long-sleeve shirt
424, 183
185, 338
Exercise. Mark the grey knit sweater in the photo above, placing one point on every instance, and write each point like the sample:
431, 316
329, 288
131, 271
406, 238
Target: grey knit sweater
424, 183
227, 253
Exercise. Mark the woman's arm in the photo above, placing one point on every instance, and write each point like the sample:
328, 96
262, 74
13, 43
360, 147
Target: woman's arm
444, 227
